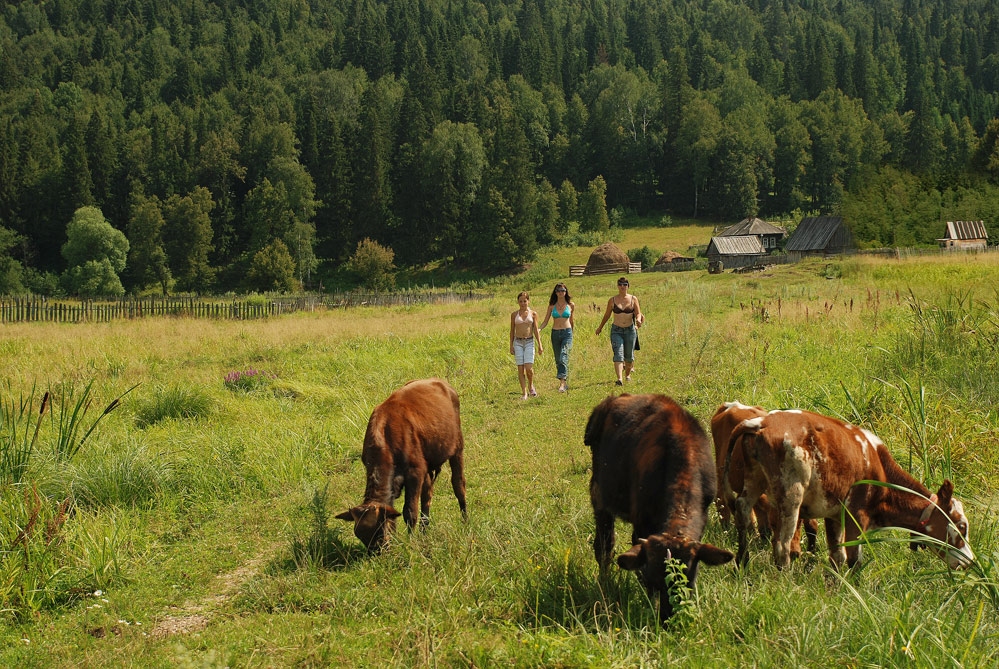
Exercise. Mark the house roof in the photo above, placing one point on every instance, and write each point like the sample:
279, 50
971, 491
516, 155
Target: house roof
752, 226
966, 230
739, 245
813, 233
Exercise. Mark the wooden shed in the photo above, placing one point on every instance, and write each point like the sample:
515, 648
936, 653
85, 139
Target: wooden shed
769, 234
965, 236
736, 251
820, 235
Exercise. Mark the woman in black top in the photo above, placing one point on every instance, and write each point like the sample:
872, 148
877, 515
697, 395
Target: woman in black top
627, 318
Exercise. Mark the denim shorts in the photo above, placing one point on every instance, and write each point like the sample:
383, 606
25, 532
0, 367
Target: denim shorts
523, 351
623, 343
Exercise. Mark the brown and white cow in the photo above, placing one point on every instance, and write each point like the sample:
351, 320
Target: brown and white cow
409, 438
727, 418
651, 467
810, 465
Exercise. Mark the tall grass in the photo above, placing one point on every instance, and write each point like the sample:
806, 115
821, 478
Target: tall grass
15, 426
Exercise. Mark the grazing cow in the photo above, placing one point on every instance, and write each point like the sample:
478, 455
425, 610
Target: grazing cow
409, 438
651, 467
809, 465
728, 417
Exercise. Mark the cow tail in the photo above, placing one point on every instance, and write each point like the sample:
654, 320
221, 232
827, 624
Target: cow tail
743, 429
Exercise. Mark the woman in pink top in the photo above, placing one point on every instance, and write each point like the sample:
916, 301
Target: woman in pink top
523, 332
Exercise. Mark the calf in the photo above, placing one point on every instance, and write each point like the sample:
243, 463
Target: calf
409, 438
726, 419
810, 464
651, 467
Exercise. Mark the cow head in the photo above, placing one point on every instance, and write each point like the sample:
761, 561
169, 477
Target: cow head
649, 557
373, 523
944, 520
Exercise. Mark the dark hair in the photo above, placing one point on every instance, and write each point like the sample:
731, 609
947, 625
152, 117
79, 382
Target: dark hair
521, 294
623, 280
554, 298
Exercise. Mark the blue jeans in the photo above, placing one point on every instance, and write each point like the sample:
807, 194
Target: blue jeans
561, 345
623, 343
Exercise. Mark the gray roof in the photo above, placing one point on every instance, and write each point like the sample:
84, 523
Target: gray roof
813, 233
741, 245
752, 226
966, 230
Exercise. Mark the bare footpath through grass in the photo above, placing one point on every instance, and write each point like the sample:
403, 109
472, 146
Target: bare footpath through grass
193, 511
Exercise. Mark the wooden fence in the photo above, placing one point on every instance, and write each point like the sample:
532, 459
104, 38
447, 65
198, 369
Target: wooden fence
42, 309
616, 268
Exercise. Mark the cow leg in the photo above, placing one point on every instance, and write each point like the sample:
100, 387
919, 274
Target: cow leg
744, 516
765, 525
811, 534
788, 502
415, 478
854, 553
603, 538
426, 495
458, 482
834, 538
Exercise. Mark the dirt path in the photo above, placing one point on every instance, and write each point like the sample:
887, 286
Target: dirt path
193, 616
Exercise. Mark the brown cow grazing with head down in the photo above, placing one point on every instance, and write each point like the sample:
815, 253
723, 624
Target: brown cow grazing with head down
728, 417
809, 464
409, 438
651, 467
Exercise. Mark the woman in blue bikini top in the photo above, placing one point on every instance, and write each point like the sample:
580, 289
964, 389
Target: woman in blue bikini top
562, 309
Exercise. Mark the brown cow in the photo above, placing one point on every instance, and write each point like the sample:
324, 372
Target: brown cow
651, 467
810, 465
409, 438
728, 417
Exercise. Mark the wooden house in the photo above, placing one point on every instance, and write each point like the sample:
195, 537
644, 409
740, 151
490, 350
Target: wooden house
769, 234
820, 235
965, 236
736, 251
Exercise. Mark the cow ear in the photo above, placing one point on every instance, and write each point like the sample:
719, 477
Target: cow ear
633, 558
390, 512
945, 493
712, 555
595, 425
350, 515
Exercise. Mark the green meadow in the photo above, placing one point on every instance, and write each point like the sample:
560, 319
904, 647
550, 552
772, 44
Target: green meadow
199, 527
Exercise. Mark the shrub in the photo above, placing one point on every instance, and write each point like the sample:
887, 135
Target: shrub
372, 263
173, 402
272, 268
128, 477
645, 255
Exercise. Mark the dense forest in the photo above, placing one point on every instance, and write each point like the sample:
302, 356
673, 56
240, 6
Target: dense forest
200, 145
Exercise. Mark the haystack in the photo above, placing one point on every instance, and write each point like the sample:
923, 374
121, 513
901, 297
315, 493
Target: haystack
606, 254
670, 256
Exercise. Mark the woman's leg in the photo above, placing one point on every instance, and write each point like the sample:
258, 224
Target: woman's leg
629, 352
617, 346
564, 357
529, 371
522, 375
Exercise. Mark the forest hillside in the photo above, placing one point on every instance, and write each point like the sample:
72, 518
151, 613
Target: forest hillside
199, 145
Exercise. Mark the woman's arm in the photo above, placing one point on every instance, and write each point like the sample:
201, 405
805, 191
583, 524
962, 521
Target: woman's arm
548, 314
639, 316
572, 315
512, 327
537, 334
607, 314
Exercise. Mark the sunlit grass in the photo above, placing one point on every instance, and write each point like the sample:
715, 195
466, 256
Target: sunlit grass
211, 508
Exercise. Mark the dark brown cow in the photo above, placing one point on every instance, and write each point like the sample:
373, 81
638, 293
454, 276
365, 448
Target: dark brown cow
409, 438
809, 465
651, 467
728, 417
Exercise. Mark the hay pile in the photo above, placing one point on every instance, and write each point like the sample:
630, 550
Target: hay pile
606, 254
670, 256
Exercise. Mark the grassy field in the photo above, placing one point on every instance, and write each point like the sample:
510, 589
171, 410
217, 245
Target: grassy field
201, 509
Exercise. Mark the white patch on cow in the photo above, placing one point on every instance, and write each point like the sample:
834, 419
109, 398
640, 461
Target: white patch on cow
963, 556
753, 422
873, 439
863, 449
784, 411
735, 405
